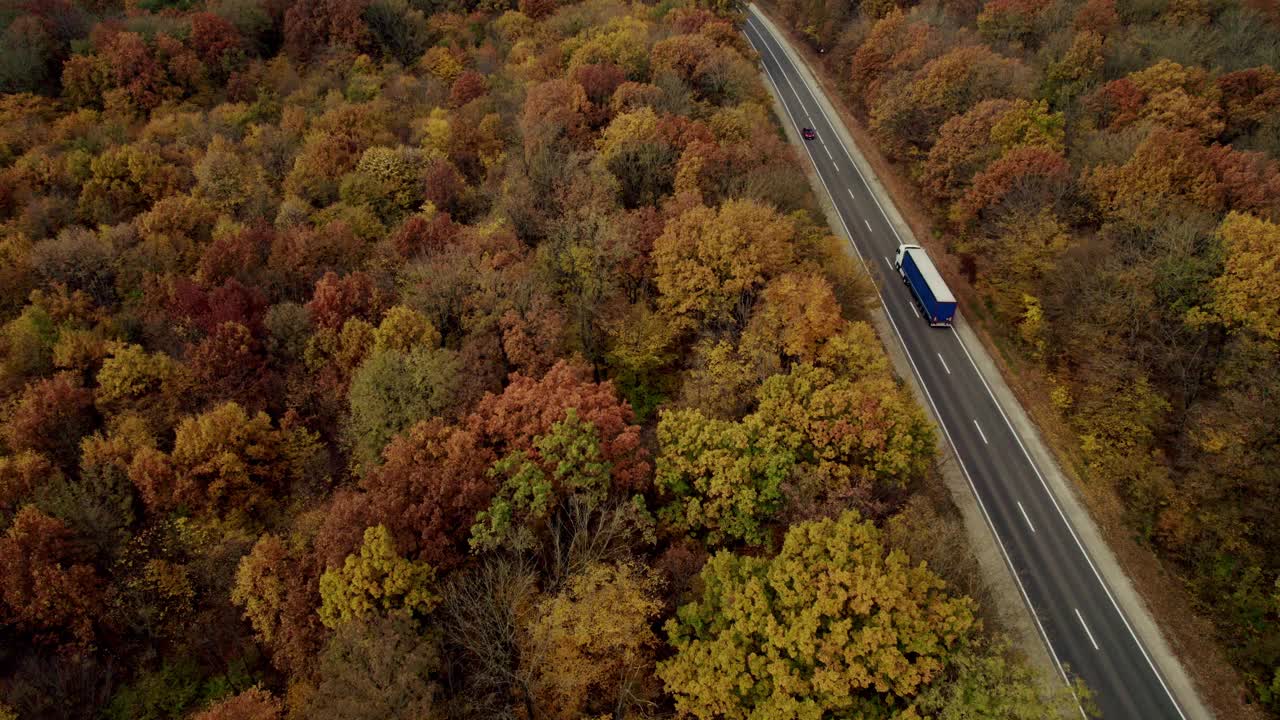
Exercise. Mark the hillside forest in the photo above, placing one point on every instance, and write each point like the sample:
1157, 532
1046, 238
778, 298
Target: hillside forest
417, 359
1106, 171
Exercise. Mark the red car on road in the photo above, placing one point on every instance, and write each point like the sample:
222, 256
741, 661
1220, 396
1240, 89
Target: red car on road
808, 133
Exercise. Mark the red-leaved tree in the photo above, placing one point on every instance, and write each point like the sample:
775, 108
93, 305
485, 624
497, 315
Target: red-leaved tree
432, 482
50, 417
48, 592
337, 298
528, 408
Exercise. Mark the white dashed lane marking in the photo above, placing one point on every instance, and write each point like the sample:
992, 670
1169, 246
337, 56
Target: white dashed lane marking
982, 434
1092, 642
1025, 517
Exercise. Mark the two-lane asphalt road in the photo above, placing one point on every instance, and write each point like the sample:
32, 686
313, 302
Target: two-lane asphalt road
1086, 632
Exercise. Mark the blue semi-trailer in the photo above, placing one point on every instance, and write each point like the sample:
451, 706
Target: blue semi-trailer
918, 272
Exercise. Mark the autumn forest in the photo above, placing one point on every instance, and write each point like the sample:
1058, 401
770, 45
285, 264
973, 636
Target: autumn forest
480, 359
403, 359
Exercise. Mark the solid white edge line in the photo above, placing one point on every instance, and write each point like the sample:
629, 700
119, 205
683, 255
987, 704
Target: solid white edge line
1084, 625
938, 415
1141, 648
1025, 516
980, 433
944, 363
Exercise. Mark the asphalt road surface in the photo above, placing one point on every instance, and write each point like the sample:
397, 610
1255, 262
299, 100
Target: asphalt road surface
1078, 618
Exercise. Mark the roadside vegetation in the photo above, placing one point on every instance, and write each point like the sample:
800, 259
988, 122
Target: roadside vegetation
1106, 171
406, 359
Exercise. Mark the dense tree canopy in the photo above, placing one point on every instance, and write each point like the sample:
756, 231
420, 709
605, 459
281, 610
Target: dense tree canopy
405, 359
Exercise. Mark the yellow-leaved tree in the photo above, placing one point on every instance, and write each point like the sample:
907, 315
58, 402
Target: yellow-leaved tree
377, 581
850, 430
798, 313
592, 644
723, 478
833, 626
405, 329
639, 156
712, 263
1246, 294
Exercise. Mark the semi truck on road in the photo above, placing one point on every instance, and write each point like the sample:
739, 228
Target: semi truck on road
932, 294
